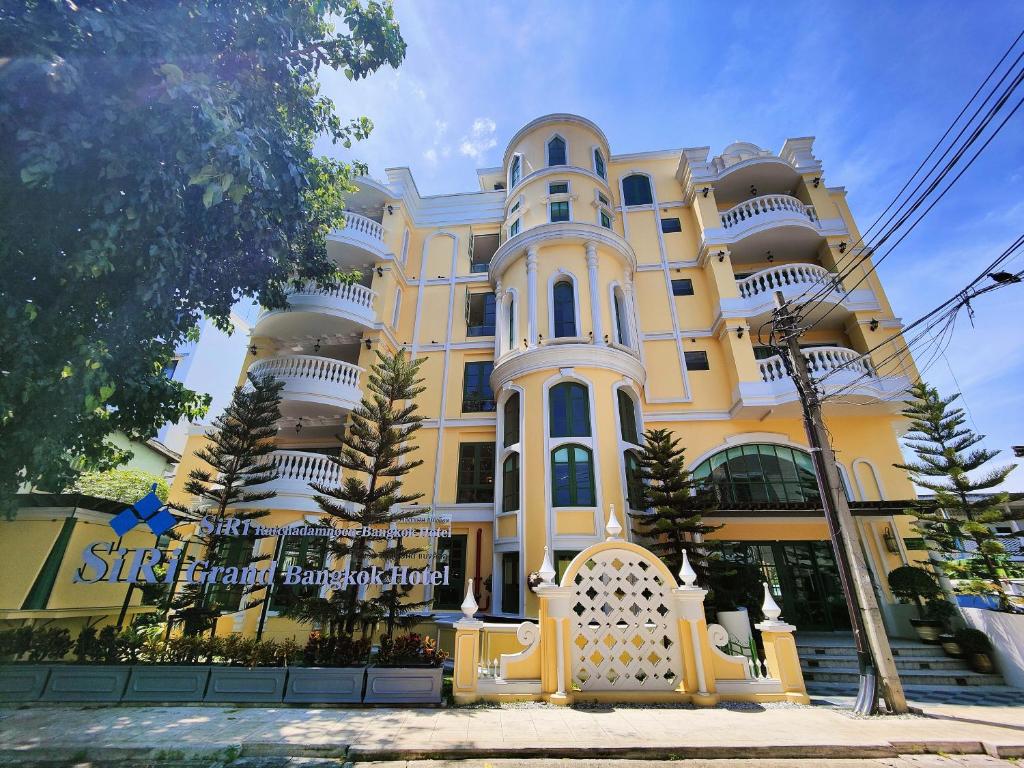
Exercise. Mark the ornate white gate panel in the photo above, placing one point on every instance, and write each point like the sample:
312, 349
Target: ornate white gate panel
624, 634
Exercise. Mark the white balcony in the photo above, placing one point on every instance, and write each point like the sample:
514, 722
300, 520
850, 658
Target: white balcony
841, 372
757, 294
359, 241
312, 311
295, 471
314, 387
779, 223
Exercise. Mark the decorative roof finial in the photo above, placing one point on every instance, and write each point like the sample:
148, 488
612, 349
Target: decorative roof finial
613, 528
686, 574
469, 606
770, 609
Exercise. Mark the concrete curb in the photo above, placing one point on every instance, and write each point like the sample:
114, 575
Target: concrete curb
226, 753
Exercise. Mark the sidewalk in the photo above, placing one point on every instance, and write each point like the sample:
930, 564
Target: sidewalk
77, 732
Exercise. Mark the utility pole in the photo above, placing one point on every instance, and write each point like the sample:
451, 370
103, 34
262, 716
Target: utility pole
874, 656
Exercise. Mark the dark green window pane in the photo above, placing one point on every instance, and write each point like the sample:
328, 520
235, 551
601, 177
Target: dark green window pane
572, 477
606, 220
515, 172
558, 188
510, 582
511, 421
627, 417
564, 309
476, 474
599, 164
761, 473
306, 552
569, 410
636, 190
560, 211
556, 151
476, 387
510, 484
481, 319
634, 484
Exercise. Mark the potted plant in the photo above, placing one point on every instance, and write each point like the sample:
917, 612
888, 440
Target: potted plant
919, 586
333, 672
977, 648
949, 644
736, 596
408, 670
20, 680
99, 674
253, 671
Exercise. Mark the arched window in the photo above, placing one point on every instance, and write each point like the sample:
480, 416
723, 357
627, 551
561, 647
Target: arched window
599, 167
563, 309
761, 473
634, 481
510, 483
636, 190
569, 409
556, 151
627, 418
621, 323
511, 421
515, 171
572, 477
511, 326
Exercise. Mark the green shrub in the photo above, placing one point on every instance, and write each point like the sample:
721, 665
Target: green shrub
335, 651
49, 644
14, 643
915, 585
412, 649
124, 485
972, 641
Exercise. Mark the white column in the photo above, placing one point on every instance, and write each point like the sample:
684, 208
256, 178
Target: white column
595, 294
499, 324
531, 295
632, 322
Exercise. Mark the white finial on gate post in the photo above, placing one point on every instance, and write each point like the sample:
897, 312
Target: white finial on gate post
469, 606
770, 609
547, 571
613, 528
686, 574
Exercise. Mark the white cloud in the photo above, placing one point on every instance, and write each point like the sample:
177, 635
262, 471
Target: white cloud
480, 139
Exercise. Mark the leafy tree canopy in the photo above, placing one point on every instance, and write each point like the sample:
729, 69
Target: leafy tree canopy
127, 485
158, 165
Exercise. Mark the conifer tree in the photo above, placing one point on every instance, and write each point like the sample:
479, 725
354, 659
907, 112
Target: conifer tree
239, 457
373, 451
957, 519
676, 504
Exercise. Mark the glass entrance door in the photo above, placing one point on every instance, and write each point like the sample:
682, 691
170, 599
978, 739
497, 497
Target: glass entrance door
451, 552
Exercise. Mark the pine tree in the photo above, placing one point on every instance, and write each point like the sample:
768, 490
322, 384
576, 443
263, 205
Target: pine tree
957, 519
238, 454
676, 504
373, 451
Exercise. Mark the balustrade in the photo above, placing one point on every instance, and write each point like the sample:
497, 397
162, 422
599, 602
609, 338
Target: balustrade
355, 222
820, 361
766, 204
309, 367
305, 467
777, 278
359, 295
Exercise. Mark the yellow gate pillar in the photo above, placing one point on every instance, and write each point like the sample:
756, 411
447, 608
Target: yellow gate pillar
467, 651
555, 666
698, 669
780, 652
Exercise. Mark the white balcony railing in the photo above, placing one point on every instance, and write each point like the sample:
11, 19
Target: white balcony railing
308, 367
766, 206
303, 468
782, 277
358, 295
820, 360
355, 222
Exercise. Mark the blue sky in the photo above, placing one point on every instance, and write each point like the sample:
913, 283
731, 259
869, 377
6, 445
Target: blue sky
876, 83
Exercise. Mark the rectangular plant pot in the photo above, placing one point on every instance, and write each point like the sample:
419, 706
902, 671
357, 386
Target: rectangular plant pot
403, 685
325, 685
243, 685
23, 682
86, 682
171, 682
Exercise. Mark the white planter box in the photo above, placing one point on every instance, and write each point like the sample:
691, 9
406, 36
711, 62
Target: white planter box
23, 682
403, 685
86, 682
167, 682
242, 685
737, 624
1006, 633
325, 685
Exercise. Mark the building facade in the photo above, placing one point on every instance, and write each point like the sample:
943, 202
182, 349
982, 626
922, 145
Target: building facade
575, 300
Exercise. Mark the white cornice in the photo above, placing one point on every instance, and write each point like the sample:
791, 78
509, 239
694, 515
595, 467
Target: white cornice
654, 154
445, 210
561, 232
558, 356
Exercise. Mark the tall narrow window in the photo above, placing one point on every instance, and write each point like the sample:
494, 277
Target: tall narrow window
621, 326
627, 418
511, 421
572, 477
476, 387
510, 483
636, 190
569, 410
515, 171
510, 582
564, 309
599, 168
511, 324
476, 473
514, 229
556, 151
634, 483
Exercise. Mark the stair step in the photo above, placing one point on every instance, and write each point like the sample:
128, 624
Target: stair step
943, 663
909, 677
898, 651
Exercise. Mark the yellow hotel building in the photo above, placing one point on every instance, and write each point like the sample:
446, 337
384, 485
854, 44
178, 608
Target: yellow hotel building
576, 299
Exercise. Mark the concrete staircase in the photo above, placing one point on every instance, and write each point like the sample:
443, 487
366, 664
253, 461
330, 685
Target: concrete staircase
829, 664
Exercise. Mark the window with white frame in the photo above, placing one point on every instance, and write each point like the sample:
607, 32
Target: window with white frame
556, 151
599, 167
563, 303
515, 171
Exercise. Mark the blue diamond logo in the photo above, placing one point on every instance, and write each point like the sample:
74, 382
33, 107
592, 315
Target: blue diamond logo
150, 510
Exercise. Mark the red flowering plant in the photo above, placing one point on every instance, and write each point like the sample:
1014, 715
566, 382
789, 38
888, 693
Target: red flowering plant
412, 650
335, 651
